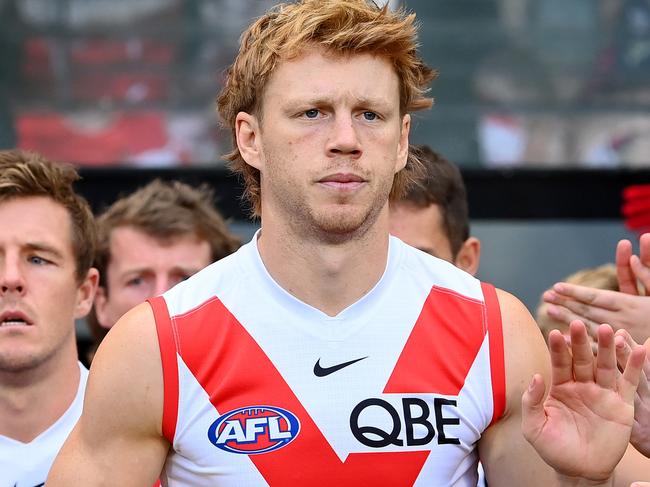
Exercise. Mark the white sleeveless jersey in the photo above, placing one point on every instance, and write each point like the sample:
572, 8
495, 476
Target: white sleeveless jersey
263, 389
27, 464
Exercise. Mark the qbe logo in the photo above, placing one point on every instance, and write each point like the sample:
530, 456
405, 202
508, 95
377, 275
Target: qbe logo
254, 429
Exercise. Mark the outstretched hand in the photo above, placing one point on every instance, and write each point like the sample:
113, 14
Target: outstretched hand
640, 437
583, 427
569, 302
624, 310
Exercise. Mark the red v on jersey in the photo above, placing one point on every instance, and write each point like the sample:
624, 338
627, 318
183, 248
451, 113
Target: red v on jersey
245, 377
236, 373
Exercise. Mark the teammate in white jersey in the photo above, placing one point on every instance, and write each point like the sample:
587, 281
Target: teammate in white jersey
319, 101
46, 281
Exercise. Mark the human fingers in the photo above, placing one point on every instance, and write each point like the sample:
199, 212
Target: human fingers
641, 271
565, 315
624, 344
560, 358
533, 416
590, 313
598, 298
581, 354
606, 369
644, 249
626, 278
629, 380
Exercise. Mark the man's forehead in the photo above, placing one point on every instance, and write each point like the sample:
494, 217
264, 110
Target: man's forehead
132, 232
319, 80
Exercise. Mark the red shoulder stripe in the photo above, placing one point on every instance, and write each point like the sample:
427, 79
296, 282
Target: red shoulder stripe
497, 367
167, 345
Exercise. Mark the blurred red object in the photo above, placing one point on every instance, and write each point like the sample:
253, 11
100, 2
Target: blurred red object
636, 207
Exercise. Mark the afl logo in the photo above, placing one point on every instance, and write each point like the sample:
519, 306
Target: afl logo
255, 429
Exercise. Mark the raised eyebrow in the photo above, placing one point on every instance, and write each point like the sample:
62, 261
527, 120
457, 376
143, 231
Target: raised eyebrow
44, 248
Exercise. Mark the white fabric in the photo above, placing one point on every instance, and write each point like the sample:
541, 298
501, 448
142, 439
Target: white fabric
27, 464
293, 335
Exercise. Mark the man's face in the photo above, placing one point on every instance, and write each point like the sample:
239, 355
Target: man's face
141, 266
329, 142
40, 296
422, 228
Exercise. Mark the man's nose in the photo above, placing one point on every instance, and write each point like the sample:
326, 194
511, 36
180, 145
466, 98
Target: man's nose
162, 284
12, 279
344, 138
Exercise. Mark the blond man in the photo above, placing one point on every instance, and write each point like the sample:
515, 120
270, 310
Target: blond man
324, 352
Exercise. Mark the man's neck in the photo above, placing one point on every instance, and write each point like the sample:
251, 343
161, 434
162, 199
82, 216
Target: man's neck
328, 276
33, 400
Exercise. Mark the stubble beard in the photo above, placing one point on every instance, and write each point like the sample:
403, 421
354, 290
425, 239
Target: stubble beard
336, 223
15, 361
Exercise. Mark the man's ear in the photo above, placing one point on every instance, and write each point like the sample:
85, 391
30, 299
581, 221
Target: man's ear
101, 308
247, 134
403, 147
469, 256
86, 293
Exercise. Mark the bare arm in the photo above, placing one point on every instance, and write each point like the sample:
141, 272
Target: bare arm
118, 439
508, 459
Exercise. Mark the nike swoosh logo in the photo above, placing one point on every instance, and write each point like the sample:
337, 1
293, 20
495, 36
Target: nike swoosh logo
324, 371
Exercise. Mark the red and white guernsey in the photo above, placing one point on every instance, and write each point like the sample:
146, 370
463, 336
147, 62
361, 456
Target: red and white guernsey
263, 389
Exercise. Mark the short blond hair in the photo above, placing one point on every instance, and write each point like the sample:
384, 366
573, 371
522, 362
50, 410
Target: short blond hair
602, 277
339, 27
24, 174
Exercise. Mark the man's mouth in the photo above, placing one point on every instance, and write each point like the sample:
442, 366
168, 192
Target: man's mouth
14, 319
343, 180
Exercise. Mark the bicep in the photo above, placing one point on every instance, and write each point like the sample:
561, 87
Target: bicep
118, 439
508, 459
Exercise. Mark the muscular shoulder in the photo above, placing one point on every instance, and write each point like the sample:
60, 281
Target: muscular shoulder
524, 348
126, 373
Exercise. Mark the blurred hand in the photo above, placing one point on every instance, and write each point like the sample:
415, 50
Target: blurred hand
568, 302
640, 437
624, 310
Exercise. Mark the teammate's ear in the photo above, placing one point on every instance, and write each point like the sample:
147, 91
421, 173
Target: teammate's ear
469, 255
247, 134
101, 308
86, 293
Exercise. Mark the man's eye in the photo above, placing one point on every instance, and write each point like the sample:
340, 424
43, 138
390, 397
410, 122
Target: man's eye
136, 281
35, 259
313, 113
370, 116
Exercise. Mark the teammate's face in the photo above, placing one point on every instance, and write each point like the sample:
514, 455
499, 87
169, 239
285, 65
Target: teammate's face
329, 141
142, 266
40, 296
421, 228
